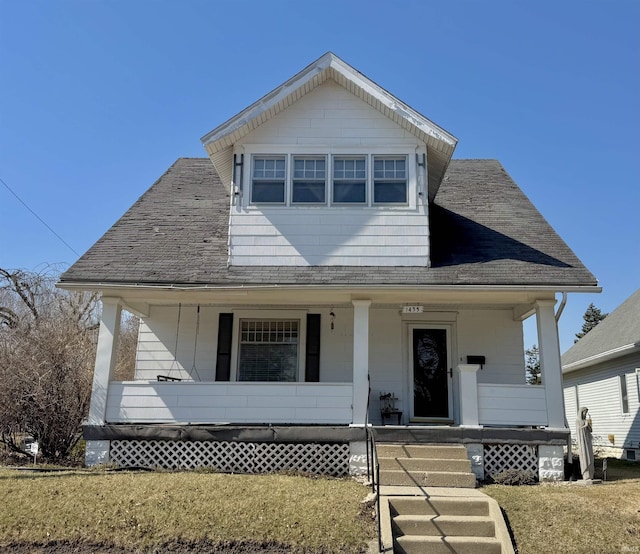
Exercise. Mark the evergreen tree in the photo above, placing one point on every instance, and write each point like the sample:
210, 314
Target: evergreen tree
591, 317
532, 365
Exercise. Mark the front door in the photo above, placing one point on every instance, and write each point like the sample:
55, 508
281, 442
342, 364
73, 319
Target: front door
431, 375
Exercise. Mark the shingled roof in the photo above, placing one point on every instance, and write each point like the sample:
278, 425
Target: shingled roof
484, 231
616, 335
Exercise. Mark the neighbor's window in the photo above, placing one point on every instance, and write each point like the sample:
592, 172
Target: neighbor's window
268, 180
390, 180
623, 394
309, 180
349, 179
268, 350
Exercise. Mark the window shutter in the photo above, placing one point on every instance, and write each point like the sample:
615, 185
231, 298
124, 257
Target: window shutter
223, 358
312, 371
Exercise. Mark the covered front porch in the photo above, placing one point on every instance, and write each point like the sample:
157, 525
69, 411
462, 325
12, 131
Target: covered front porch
346, 353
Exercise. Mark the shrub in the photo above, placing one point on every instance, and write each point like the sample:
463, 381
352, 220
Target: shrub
514, 477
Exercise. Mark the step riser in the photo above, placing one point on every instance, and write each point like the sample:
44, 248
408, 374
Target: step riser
421, 451
425, 464
428, 479
439, 527
438, 506
440, 545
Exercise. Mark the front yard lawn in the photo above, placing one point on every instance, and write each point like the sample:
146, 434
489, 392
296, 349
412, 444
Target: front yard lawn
102, 511
576, 519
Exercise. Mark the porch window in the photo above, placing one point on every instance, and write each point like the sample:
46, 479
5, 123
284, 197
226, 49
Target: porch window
268, 350
389, 180
349, 179
268, 179
309, 178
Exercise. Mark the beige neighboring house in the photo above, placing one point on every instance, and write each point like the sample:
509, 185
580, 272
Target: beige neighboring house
602, 372
326, 253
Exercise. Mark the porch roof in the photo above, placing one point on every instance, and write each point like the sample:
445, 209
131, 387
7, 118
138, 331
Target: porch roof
484, 232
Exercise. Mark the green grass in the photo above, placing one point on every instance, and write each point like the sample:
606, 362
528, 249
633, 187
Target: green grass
147, 510
576, 519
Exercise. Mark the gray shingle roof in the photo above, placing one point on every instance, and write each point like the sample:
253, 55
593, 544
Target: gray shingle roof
619, 329
484, 231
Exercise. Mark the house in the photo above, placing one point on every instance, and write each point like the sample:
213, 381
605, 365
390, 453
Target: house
602, 372
328, 252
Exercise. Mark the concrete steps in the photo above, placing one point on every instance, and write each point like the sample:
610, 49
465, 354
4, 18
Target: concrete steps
429, 503
425, 465
443, 524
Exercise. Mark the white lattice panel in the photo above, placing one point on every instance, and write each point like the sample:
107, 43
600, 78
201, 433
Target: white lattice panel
499, 457
232, 457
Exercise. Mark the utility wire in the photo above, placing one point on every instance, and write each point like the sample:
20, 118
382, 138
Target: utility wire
39, 218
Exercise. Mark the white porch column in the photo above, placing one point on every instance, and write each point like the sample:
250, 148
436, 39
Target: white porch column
360, 360
105, 359
550, 367
469, 395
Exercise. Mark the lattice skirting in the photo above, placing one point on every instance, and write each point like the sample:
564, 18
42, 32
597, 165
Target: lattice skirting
232, 457
499, 457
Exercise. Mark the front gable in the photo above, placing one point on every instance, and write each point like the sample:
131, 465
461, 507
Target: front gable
440, 144
329, 170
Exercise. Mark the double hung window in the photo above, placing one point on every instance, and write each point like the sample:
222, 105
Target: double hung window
269, 177
309, 180
389, 180
349, 179
268, 350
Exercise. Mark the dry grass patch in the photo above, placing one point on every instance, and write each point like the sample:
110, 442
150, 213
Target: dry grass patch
146, 510
575, 519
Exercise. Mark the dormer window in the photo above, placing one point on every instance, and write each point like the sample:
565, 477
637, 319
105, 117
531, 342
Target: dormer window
309, 180
389, 180
316, 179
349, 179
269, 176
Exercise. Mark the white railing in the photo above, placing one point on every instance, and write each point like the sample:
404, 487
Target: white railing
215, 402
512, 405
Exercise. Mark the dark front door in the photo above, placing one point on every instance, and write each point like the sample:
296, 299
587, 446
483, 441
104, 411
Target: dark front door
430, 373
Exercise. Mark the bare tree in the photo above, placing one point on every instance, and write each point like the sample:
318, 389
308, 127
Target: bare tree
47, 349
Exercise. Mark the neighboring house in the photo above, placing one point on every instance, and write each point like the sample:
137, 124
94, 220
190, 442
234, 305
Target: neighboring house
602, 372
328, 252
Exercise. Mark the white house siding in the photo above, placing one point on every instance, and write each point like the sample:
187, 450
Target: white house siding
598, 388
495, 335
157, 343
331, 120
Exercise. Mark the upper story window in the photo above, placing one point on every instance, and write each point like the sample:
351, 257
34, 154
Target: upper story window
349, 179
309, 180
269, 176
389, 180
322, 179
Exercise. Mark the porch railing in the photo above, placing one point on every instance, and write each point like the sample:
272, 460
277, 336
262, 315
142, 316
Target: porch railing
230, 402
512, 405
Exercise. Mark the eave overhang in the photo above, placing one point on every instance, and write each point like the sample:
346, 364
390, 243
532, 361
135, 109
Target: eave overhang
602, 357
440, 143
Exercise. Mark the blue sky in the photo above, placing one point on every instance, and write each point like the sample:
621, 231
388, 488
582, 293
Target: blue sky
98, 98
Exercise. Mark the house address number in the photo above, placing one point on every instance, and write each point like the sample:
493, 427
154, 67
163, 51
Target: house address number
412, 309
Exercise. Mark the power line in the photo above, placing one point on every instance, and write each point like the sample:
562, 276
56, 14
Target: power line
39, 218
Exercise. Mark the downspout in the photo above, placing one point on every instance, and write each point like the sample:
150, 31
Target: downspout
563, 303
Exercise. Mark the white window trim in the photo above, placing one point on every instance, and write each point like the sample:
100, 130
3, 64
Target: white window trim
623, 377
270, 314
413, 186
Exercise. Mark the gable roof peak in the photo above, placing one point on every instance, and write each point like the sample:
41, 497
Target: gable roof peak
440, 143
